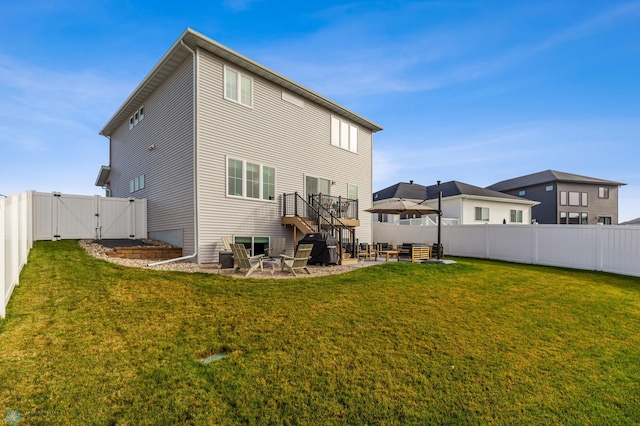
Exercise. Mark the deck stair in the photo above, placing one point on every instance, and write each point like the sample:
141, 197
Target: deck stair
323, 213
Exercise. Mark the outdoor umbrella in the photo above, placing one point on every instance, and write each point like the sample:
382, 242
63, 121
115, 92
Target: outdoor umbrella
402, 207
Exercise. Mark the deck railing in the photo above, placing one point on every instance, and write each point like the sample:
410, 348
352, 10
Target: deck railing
324, 213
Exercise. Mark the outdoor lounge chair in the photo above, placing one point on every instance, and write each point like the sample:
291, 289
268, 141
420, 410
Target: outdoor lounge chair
226, 241
244, 261
277, 247
299, 261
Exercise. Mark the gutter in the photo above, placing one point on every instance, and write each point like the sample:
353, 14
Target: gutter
195, 174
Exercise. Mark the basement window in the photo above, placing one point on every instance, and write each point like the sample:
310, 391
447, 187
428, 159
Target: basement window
255, 245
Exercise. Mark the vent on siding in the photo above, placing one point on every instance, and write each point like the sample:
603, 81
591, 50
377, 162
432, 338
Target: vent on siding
292, 99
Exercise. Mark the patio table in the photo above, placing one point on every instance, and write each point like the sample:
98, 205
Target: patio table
388, 253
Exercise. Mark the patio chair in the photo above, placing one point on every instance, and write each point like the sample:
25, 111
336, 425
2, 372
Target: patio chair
244, 261
277, 247
226, 241
299, 261
363, 251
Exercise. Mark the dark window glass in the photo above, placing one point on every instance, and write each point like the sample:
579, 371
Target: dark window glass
574, 218
603, 192
563, 218
563, 198
574, 198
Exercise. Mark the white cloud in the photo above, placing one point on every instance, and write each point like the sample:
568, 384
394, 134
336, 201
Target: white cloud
49, 123
350, 56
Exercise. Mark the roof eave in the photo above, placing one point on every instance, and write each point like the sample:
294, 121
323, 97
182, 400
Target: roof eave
103, 176
485, 198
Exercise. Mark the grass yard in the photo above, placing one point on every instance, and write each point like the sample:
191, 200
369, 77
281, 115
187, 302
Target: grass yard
89, 342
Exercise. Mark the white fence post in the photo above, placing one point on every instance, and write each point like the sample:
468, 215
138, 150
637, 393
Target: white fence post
15, 240
599, 247
486, 240
535, 243
3, 259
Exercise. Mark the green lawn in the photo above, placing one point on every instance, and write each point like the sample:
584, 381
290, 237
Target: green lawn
89, 342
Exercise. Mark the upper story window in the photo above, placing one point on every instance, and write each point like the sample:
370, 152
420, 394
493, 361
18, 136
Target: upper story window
549, 188
344, 135
136, 117
238, 87
482, 213
574, 198
584, 199
250, 180
352, 192
136, 184
563, 198
603, 192
522, 193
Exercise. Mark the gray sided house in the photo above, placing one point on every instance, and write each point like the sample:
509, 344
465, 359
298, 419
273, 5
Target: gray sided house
566, 198
219, 145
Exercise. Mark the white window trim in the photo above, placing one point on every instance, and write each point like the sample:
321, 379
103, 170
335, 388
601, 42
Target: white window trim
349, 186
516, 214
253, 241
475, 214
239, 88
244, 180
341, 129
136, 184
136, 118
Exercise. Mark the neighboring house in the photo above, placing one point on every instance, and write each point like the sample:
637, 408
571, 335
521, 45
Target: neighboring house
566, 198
635, 221
213, 141
469, 204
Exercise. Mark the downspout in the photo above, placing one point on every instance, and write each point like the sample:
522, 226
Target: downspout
195, 174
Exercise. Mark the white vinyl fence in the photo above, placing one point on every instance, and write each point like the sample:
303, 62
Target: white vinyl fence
16, 239
31, 215
607, 248
63, 216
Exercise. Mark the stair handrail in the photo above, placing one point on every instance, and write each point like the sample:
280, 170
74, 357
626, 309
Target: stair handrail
315, 210
331, 223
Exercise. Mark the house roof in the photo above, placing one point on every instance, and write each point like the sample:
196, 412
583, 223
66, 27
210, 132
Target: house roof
191, 39
454, 188
408, 191
635, 221
414, 191
548, 176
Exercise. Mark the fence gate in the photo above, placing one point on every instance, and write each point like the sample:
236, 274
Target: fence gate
63, 216
117, 218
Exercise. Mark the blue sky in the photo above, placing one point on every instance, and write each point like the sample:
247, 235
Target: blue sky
474, 91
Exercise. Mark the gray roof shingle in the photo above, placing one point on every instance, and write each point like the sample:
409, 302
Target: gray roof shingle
408, 191
414, 191
548, 176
